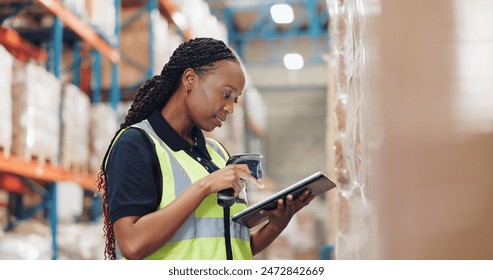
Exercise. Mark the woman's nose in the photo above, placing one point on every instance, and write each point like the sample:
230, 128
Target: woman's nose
229, 108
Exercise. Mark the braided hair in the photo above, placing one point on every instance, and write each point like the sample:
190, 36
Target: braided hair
199, 54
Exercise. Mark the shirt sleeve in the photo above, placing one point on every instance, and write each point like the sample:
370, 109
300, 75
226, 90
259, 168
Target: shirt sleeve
133, 176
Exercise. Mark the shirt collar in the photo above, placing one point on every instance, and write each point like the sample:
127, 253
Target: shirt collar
172, 138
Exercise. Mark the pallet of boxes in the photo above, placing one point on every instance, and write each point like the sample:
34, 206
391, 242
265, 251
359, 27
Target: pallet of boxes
29, 119
75, 129
6, 60
35, 118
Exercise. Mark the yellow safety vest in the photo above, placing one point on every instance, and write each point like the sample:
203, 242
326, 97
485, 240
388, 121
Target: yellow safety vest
201, 237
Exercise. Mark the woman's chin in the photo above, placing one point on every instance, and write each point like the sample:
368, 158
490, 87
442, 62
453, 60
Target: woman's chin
208, 128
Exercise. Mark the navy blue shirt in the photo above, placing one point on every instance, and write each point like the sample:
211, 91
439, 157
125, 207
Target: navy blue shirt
134, 179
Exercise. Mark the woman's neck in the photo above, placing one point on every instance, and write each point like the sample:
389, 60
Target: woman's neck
176, 117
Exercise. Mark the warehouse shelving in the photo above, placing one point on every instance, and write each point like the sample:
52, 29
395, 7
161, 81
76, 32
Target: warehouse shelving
22, 49
45, 174
148, 8
87, 44
86, 32
37, 170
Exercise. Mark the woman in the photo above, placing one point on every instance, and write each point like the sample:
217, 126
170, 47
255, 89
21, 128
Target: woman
161, 176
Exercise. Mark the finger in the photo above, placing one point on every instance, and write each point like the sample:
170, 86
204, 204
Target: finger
289, 200
237, 188
280, 204
302, 203
240, 182
309, 199
304, 195
243, 167
248, 177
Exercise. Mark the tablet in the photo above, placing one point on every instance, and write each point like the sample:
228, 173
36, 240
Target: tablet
316, 183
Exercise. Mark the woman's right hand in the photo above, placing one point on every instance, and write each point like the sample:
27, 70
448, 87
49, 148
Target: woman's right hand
230, 176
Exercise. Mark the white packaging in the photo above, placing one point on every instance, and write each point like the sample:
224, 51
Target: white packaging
75, 129
36, 107
103, 126
6, 60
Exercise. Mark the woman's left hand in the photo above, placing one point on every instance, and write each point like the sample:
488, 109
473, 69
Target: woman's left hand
279, 218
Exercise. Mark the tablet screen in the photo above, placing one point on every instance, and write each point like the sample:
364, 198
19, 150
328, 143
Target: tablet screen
316, 183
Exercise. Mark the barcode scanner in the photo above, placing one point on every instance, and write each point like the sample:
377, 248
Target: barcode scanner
226, 197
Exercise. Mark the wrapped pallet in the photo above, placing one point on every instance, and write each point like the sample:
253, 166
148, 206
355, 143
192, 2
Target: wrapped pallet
6, 60
103, 125
353, 217
412, 117
36, 107
75, 129
77, 7
102, 15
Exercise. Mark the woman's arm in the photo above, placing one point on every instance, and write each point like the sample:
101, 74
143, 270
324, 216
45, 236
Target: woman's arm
278, 220
139, 237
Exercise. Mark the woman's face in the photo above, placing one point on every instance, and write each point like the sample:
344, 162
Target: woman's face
214, 95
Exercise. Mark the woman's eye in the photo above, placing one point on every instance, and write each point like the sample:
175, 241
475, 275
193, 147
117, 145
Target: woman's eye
228, 95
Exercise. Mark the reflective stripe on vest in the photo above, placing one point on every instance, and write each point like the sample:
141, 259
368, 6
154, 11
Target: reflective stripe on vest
202, 234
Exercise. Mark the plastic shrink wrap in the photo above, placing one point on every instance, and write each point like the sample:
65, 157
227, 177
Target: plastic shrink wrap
6, 60
348, 154
75, 129
31, 240
102, 15
36, 107
102, 128
412, 119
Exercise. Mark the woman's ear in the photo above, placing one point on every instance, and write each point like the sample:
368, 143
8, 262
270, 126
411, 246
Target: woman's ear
188, 79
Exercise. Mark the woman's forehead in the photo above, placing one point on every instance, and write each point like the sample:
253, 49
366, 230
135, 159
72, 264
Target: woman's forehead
228, 73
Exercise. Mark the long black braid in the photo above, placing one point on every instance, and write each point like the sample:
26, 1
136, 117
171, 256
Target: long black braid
200, 54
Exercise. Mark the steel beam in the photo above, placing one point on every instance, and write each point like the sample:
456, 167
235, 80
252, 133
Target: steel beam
84, 30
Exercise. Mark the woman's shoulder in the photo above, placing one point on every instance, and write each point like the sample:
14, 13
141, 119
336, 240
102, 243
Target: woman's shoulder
134, 136
132, 144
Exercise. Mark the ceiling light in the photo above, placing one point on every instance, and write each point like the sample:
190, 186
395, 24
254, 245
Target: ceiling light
293, 61
282, 13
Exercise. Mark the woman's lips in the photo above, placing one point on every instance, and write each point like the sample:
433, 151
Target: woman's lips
218, 121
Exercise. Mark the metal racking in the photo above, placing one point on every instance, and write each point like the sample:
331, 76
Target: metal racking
38, 176
78, 34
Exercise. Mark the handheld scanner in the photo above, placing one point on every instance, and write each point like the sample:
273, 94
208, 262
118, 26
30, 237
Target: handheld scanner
226, 197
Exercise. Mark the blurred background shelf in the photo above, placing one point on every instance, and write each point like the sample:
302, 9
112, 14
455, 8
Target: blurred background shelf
21, 48
45, 172
99, 52
56, 41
